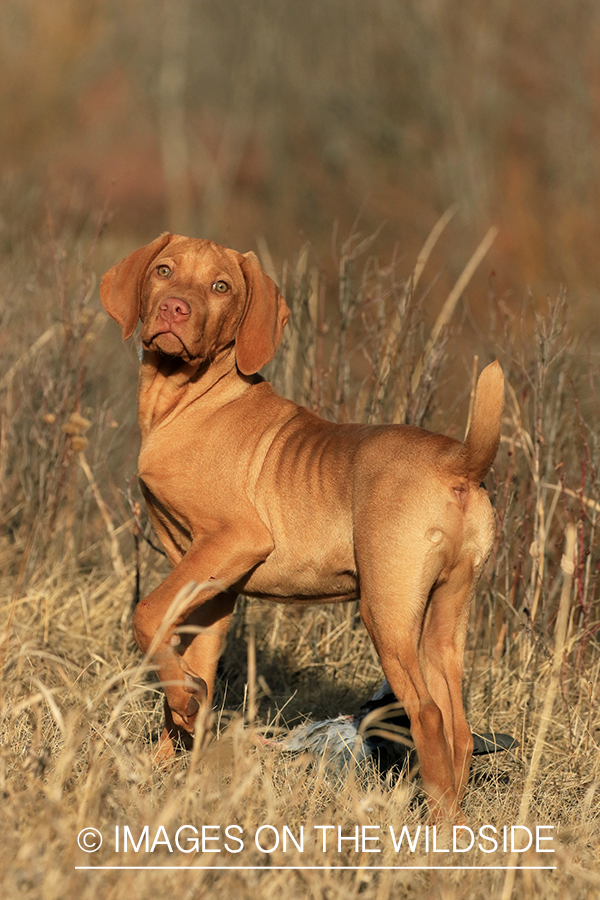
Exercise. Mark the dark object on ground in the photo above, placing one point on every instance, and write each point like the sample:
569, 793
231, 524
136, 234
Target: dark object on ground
379, 732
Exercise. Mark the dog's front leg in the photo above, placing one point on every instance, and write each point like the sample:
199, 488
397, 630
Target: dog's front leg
199, 644
182, 633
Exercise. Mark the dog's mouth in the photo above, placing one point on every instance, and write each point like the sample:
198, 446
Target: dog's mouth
168, 344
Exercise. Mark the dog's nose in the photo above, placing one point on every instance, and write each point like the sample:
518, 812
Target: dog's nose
173, 310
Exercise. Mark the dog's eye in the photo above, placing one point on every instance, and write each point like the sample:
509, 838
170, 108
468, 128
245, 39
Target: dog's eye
164, 271
221, 287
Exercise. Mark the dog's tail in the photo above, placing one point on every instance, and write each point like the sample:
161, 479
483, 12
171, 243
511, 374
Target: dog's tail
483, 438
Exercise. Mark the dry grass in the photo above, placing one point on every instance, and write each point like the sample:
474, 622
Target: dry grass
80, 710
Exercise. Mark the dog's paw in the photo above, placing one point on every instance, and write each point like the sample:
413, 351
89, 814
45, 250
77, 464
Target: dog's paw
197, 688
185, 700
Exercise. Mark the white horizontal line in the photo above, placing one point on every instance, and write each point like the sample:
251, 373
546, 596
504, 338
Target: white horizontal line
310, 868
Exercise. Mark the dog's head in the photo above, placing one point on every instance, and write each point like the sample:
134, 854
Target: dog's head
195, 298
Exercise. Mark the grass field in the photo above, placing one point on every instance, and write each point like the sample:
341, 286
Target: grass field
80, 710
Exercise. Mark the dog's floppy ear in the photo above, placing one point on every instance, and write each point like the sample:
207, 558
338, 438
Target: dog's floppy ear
264, 319
121, 286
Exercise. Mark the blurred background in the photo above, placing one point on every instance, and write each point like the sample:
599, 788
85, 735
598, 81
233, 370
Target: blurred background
271, 123
329, 136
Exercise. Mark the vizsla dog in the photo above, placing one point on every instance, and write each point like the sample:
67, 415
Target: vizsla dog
251, 493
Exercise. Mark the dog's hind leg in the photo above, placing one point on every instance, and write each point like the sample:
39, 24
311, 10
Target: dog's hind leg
394, 597
441, 654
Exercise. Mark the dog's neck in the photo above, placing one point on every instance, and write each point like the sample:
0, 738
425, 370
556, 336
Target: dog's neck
169, 385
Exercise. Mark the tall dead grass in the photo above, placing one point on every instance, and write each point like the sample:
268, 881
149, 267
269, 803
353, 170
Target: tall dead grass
80, 710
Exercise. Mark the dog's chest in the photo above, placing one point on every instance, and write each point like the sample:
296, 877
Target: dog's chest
190, 480
170, 491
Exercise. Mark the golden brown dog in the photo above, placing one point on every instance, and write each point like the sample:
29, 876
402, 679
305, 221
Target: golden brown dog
251, 493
